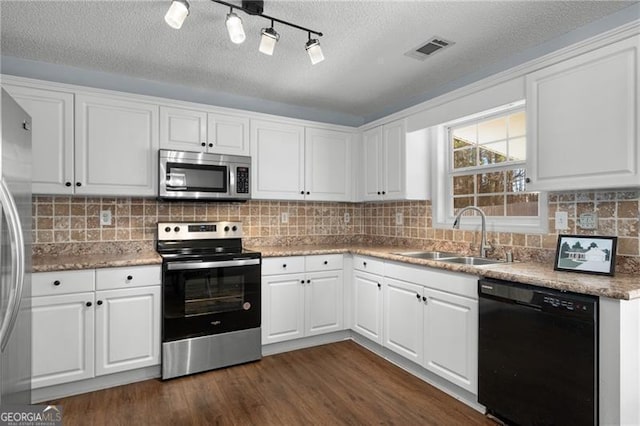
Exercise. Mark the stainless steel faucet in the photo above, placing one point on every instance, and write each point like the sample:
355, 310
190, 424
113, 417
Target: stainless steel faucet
484, 245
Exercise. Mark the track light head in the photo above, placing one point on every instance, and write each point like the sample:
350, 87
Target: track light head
235, 28
268, 40
313, 49
177, 13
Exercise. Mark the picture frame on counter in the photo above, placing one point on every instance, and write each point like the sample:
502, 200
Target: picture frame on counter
589, 254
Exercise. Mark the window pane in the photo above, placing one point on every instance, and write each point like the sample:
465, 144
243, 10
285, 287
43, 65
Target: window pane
516, 180
466, 134
463, 185
518, 149
522, 205
491, 205
492, 130
462, 202
490, 182
492, 153
517, 124
464, 158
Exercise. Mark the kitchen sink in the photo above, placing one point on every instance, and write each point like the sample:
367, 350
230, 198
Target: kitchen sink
470, 260
432, 255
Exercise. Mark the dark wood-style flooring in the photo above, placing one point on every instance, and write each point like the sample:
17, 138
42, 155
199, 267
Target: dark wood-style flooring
336, 384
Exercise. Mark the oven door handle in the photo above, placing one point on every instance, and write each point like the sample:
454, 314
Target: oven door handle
180, 266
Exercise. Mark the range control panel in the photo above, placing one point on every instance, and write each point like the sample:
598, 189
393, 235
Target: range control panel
168, 231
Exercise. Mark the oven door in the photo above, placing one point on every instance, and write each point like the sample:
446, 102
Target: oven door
209, 297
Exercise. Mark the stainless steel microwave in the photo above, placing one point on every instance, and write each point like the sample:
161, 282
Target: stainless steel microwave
201, 176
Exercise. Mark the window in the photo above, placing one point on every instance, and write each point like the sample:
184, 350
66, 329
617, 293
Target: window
484, 165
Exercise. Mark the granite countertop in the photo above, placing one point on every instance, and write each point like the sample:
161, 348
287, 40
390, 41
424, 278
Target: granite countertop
621, 286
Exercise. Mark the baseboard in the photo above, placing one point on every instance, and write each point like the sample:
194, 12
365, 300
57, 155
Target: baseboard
97, 383
305, 342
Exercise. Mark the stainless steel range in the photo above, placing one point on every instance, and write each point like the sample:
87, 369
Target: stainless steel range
210, 297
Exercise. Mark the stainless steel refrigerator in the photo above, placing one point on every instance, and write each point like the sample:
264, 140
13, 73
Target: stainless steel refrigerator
15, 253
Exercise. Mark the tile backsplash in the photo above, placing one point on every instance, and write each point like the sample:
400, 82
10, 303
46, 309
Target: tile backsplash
63, 220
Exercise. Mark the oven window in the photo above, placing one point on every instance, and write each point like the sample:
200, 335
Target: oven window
196, 177
210, 294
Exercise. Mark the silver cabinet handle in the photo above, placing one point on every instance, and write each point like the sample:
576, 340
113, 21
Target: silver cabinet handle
17, 267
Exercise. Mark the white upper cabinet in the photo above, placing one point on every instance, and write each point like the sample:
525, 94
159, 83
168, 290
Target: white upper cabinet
583, 127
277, 161
186, 129
394, 164
116, 146
52, 137
327, 165
294, 163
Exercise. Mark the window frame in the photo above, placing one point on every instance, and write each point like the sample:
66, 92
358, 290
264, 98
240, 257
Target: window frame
442, 182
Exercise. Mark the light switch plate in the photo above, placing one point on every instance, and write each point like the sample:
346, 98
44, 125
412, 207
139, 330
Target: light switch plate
562, 220
399, 219
284, 217
588, 221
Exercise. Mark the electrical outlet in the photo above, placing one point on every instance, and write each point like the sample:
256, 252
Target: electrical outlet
399, 219
562, 220
588, 221
347, 218
105, 217
284, 217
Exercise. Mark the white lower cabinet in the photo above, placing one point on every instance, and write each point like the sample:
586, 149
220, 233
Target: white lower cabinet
79, 333
62, 338
451, 338
305, 301
127, 329
403, 319
367, 300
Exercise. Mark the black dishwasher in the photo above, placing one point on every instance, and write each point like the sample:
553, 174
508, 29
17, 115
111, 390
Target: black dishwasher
537, 354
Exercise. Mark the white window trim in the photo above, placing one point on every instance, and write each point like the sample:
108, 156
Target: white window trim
443, 216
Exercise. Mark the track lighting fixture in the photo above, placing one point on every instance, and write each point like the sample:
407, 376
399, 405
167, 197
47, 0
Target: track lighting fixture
268, 40
235, 28
313, 49
177, 13
179, 10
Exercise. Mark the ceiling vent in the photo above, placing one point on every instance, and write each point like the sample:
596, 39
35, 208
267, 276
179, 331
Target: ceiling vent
431, 47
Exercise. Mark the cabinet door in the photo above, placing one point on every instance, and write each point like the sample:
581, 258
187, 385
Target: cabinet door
277, 161
62, 339
367, 305
327, 165
582, 121
116, 146
127, 329
228, 134
282, 307
183, 129
393, 169
52, 137
324, 295
372, 167
403, 322
451, 338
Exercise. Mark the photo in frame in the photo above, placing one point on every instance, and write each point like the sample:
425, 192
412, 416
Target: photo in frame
589, 254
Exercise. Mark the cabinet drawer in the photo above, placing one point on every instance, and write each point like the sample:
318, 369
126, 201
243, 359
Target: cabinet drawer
283, 265
62, 282
133, 276
324, 262
368, 264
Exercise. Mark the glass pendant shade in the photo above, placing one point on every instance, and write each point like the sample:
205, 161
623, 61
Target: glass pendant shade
314, 51
235, 29
268, 41
177, 13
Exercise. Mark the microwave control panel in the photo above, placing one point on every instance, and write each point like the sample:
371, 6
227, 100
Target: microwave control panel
242, 180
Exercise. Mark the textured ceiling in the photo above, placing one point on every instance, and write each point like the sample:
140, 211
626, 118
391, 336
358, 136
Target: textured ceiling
364, 43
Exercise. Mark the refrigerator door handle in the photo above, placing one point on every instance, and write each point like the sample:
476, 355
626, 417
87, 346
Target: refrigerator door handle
18, 263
